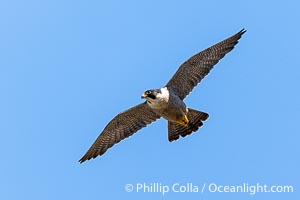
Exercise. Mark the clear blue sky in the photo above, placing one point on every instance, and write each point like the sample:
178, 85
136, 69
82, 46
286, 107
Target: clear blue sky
68, 67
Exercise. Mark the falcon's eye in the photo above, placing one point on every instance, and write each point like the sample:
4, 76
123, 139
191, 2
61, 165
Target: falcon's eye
148, 92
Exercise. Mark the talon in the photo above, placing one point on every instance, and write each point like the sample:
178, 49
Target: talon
185, 121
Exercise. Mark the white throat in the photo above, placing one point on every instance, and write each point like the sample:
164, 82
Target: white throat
164, 95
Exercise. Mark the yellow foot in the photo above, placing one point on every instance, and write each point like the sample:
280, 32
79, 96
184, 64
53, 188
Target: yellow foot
185, 121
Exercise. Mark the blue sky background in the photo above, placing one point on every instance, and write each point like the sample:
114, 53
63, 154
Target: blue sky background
68, 67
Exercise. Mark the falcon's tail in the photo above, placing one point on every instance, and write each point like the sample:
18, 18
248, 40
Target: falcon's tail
195, 118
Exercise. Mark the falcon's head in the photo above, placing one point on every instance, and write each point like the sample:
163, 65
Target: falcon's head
151, 95
156, 95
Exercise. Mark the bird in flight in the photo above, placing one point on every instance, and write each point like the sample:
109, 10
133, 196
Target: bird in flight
166, 102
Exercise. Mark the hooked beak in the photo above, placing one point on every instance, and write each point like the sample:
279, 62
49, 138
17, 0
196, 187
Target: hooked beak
143, 96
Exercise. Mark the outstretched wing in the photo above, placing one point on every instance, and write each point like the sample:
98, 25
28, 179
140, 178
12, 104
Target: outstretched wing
122, 126
192, 71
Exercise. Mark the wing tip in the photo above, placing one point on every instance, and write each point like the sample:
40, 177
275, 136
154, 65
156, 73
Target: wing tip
91, 155
241, 32
83, 159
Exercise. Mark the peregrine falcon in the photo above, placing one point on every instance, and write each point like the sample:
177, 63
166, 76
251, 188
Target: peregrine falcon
166, 102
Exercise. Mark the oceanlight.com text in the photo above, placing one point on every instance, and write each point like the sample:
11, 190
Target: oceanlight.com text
177, 187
